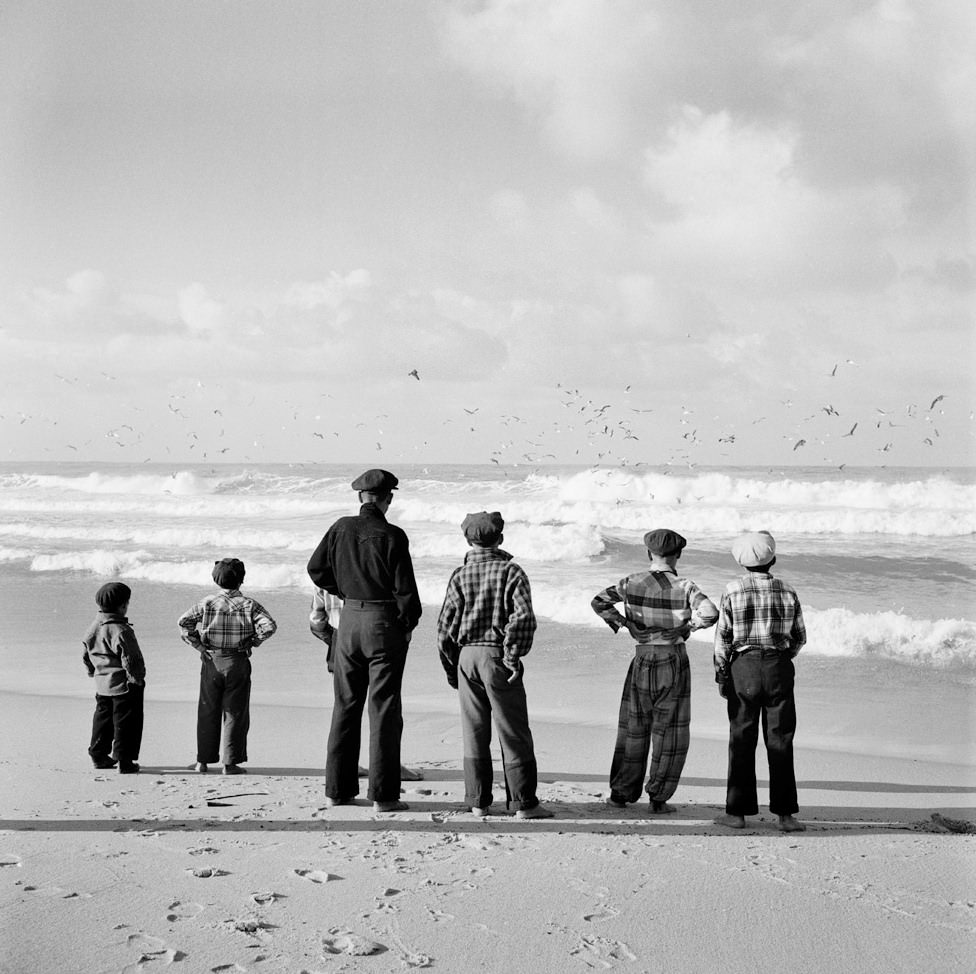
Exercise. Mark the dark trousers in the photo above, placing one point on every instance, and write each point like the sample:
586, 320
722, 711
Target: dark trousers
761, 693
225, 702
370, 651
655, 720
117, 726
485, 693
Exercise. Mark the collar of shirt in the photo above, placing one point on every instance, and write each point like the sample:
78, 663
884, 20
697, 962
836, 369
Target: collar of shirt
229, 592
369, 509
486, 554
666, 570
758, 575
111, 617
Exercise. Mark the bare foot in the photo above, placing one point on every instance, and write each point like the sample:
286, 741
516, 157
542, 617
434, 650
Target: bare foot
731, 821
662, 808
789, 824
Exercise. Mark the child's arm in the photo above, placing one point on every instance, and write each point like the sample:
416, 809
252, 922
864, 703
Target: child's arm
318, 617
604, 605
521, 625
703, 611
131, 656
723, 647
448, 624
86, 659
188, 623
798, 631
264, 626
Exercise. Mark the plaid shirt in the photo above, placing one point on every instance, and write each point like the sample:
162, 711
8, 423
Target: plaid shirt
759, 610
227, 621
488, 602
664, 606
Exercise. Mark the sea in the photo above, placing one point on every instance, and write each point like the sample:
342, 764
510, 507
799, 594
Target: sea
882, 558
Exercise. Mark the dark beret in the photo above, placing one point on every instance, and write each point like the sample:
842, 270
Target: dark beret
228, 572
664, 542
112, 596
375, 482
483, 528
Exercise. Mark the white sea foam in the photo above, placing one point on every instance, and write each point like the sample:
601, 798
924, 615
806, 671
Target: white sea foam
707, 504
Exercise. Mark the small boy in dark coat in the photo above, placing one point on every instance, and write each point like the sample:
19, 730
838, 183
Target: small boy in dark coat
113, 659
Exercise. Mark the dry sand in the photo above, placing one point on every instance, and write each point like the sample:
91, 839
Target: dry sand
169, 869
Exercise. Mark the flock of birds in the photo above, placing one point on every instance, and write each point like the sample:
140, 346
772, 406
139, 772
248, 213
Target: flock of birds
585, 431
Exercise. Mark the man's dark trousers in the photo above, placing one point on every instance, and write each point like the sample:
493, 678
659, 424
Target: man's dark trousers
225, 699
369, 656
762, 692
117, 726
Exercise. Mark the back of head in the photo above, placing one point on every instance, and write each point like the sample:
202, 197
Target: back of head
112, 596
664, 542
754, 550
376, 481
228, 573
483, 528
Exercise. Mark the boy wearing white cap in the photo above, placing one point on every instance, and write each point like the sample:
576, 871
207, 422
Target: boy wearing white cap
760, 629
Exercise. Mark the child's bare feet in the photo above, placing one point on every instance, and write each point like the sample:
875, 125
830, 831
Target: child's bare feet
789, 824
731, 821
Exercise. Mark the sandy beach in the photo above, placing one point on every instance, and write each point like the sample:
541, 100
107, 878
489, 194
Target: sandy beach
102, 872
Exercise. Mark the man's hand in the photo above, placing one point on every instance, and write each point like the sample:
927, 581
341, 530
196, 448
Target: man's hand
516, 668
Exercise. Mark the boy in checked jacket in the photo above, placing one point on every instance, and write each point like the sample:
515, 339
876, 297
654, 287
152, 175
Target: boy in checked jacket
660, 609
223, 628
485, 627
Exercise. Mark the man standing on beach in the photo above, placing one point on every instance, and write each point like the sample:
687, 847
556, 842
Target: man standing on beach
760, 630
365, 561
660, 610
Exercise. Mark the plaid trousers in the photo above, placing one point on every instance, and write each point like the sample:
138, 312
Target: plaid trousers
655, 719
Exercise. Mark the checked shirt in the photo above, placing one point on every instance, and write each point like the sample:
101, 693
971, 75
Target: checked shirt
488, 602
665, 608
762, 611
227, 621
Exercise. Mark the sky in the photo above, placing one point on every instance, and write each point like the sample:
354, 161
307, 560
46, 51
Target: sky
613, 232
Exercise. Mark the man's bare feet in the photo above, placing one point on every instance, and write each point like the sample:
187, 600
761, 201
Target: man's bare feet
731, 821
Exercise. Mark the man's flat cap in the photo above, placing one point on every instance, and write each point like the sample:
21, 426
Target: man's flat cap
375, 481
483, 528
664, 542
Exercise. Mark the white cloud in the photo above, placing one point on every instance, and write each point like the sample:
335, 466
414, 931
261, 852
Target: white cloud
331, 293
575, 64
201, 313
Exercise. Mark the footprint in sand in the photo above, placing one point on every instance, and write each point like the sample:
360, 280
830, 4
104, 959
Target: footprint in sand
9, 859
206, 850
316, 875
207, 872
266, 898
352, 944
183, 911
602, 915
228, 969
252, 926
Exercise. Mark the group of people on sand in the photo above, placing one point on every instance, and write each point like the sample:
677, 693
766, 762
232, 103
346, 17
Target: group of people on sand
485, 629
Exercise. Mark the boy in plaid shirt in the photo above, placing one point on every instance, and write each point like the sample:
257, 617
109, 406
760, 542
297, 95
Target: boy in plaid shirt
223, 628
485, 627
660, 610
760, 630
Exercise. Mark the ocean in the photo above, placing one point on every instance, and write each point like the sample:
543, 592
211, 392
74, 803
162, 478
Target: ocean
882, 558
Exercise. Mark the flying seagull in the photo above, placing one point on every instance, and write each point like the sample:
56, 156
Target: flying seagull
414, 373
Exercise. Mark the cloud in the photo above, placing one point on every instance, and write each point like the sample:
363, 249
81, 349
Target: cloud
576, 65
